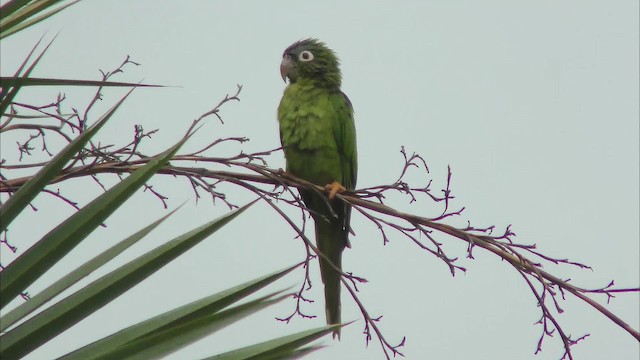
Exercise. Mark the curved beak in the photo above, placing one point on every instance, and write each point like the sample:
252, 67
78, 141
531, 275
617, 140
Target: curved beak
286, 67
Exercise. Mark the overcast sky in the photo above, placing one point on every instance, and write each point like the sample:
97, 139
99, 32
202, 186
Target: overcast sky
533, 105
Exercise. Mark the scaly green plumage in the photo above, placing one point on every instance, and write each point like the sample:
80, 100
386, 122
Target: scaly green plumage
319, 139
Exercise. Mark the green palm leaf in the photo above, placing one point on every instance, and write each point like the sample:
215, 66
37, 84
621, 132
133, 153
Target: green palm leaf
165, 342
283, 347
155, 337
7, 95
21, 199
18, 81
20, 14
36, 331
35, 261
177, 318
76, 275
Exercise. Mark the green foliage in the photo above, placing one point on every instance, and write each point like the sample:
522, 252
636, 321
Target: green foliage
18, 15
49, 313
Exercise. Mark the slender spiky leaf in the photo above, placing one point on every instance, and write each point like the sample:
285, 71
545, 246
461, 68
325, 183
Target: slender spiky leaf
76, 275
279, 348
7, 95
21, 199
31, 19
35, 261
176, 317
11, 7
19, 81
176, 337
25, 11
46, 325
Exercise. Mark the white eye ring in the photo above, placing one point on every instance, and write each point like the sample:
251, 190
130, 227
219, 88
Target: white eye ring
305, 56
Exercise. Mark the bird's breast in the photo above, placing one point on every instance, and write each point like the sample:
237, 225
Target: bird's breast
307, 120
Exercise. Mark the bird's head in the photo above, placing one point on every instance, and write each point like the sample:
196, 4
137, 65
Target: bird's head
312, 60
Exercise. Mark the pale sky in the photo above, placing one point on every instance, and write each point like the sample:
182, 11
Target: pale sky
533, 105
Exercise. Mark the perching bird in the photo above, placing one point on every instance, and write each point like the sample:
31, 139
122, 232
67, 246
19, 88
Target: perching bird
318, 135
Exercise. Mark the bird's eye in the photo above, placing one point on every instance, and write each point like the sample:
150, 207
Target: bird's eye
305, 56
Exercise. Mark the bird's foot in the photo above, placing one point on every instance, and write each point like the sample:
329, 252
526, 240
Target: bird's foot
334, 188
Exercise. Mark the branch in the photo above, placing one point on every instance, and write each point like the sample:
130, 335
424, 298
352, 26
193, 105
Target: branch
276, 187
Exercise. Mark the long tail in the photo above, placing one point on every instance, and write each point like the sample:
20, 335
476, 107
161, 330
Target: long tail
331, 241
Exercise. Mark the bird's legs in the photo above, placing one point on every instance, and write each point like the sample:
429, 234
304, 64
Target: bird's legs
334, 188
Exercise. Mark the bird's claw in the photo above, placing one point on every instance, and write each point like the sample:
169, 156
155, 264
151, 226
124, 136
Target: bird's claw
334, 188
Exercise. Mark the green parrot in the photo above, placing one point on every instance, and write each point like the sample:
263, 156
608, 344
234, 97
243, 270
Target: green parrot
318, 135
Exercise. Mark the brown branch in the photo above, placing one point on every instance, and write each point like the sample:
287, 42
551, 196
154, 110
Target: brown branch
505, 251
249, 171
